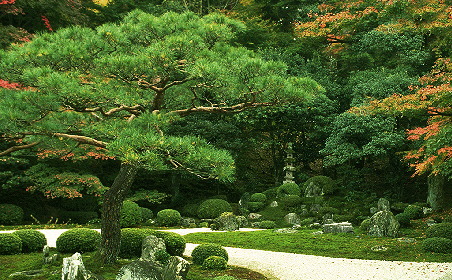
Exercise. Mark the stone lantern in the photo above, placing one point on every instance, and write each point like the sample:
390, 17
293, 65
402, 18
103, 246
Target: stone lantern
289, 168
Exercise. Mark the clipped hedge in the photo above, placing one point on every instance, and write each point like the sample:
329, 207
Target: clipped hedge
131, 214
169, 217
437, 245
414, 212
32, 240
175, 243
258, 197
11, 214
213, 208
215, 263
267, 225
288, 189
403, 219
290, 201
443, 230
78, 240
10, 244
203, 251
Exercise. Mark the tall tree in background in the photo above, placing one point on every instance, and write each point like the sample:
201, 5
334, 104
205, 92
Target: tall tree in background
116, 89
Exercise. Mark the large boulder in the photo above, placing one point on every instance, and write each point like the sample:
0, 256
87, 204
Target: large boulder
176, 269
150, 246
338, 228
140, 270
74, 269
383, 223
383, 205
292, 219
227, 221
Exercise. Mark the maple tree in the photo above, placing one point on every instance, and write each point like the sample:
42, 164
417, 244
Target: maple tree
119, 87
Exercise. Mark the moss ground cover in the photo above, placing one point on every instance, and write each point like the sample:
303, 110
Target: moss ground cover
353, 246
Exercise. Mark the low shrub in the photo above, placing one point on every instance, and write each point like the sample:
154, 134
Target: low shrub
414, 212
267, 225
203, 251
437, 245
403, 219
131, 214
175, 243
255, 206
307, 221
215, 263
328, 210
146, 214
288, 189
204, 224
271, 193
443, 230
258, 197
11, 214
213, 208
290, 201
32, 240
190, 210
10, 244
243, 221
131, 241
78, 240
168, 217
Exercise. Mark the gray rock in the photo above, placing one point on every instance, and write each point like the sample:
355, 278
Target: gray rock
140, 270
317, 232
274, 204
176, 269
151, 244
406, 240
187, 222
46, 257
26, 274
313, 190
315, 208
285, 230
243, 222
227, 221
73, 268
338, 228
430, 222
292, 219
427, 211
379, 248
383, 205
254, 216
382, 224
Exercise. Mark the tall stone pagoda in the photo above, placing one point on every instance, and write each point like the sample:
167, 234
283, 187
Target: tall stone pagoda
289, 169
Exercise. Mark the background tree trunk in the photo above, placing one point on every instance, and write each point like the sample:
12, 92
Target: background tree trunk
439, 193
111, 212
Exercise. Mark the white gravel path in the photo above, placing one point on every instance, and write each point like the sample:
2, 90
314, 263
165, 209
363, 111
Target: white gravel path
286, 266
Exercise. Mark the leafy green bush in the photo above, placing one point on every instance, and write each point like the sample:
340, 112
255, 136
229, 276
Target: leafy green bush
271, 193
131, 241
215, 263
414, 212
32, 240
204, 224
365, 224
213, 208
328, 210
131, 214
175, 243
267, 224
168, 217
203, 251
288, 189
146, 214
78, 240
190, 210
443, 230
11, 214
437, 245
403, 219
325, 183
258, 197
290, 201
10, 244
162, 256
255, 206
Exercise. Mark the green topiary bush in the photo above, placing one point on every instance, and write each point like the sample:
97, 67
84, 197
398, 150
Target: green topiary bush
443, 230
213, 208
11, 214
203, 251
414, 212
175, 243
403, 219
288, 189
325, 183
267, 225
290, 201
131, 214
168, 217
258, 197
437, 245
146, 214
215, 263
10, 244
131, 241
78, 240
32, 240
255, 206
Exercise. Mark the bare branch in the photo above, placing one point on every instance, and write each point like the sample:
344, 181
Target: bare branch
225, 109
17, 148
82, 139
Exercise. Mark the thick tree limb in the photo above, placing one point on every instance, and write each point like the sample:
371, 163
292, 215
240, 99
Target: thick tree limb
131, 109
225, 109
17, 148
82, 139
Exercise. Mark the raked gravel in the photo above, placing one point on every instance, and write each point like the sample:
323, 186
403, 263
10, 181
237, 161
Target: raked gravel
286, 266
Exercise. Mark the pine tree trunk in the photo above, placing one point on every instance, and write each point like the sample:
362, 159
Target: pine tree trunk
439, 193
111, 213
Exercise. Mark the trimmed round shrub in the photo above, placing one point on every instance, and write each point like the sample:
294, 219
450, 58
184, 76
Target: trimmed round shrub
255, 206
131, 214
168, 217
437, 245
213, 208
203, 251
443, 230
271, 193
10, 244
288, 189
175, 243
78, 240
32, 240
131, 241
290, 201
324, 182
190, 210
146, 214
215, 263
403, 219
258, 197
267, 224
11, 214
414, 212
